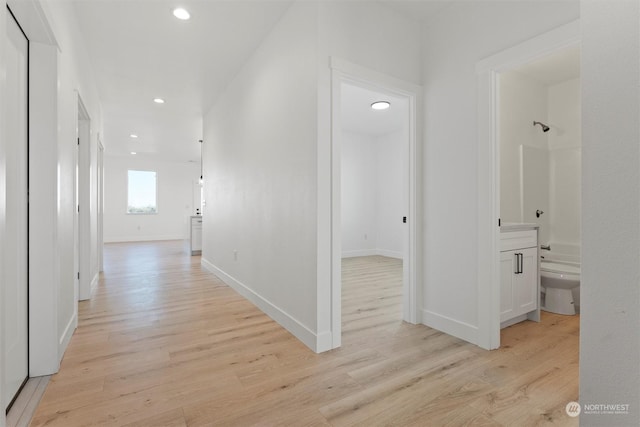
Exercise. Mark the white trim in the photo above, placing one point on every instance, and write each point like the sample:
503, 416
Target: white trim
315, 342
344, 71
390, 254
94, 282
33, 20
65, 338
44, 269
371, 252
100, 203
450, 326
535, 48
126, 208
3, 218
371, 77
83, 134
488, 249
359, 253
126, 239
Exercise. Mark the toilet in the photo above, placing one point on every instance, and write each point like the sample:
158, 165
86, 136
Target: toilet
560, 282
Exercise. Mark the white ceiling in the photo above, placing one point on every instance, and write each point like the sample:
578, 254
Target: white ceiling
140, 51
421, 10
556, 68
358, 116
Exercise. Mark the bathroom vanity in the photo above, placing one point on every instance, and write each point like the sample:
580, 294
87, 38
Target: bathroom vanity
519, 274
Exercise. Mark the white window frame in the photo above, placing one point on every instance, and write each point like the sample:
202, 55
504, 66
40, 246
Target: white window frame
127, 204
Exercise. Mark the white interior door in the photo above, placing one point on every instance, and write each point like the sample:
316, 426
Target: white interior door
16, 249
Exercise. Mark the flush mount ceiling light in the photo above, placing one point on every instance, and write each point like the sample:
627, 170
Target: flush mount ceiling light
158, 100
134, 153
380, 105
181, 14
133, 135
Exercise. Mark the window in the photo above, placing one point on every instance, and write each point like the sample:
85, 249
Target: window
142, 192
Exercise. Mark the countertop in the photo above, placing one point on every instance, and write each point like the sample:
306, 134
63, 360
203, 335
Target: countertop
518, 226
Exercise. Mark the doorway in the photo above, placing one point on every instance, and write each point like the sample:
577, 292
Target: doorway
489, 202
374, 199
16, 303
350, 78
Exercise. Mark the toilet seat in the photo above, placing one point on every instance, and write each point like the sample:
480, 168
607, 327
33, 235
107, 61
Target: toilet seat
555, 267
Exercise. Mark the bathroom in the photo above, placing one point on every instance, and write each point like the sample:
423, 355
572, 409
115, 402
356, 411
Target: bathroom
540, 167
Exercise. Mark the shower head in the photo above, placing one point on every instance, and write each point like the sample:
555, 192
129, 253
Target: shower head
544, 127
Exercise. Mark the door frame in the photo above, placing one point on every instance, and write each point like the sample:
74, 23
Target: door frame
488, 71
100, 204
8, 401
345, 72
83, 135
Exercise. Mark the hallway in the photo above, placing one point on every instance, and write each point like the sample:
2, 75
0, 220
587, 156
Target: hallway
164, 343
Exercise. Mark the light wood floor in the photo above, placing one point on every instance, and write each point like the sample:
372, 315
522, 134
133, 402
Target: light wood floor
164, 343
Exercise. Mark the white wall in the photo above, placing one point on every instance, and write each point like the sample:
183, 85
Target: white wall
74, 77
372, 196
359, 194
565, 141
259, 230
174, 181
522, 100
59, 71
536, 184
392, 192
372, 36
548, 173
462, 35
267, 157
610, 285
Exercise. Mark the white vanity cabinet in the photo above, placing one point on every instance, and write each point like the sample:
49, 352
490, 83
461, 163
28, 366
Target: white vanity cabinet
196, 235
519, 275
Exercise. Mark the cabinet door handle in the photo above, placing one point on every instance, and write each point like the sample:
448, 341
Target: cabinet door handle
521, 263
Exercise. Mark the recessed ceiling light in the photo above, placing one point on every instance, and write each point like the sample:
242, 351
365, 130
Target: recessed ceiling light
380, 105
181, 13
133, 135
158, 100
133, 152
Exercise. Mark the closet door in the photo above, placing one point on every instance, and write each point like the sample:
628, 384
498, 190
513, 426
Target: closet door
16, 242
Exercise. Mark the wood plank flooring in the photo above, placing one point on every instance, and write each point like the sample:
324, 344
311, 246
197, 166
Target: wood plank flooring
165, 343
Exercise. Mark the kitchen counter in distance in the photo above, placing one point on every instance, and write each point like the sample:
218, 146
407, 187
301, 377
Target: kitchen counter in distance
195, 239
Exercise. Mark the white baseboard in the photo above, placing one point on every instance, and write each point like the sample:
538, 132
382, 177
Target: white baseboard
513, 321
125, 239
300, 331
389, 254
450, 326
370, 252
360, 252
94, 283
65, 338
324, 342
